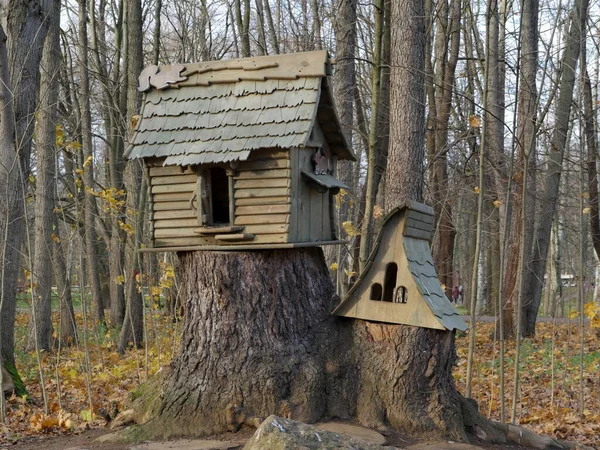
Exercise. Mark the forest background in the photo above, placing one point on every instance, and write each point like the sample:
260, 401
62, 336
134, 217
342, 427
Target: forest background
510, 168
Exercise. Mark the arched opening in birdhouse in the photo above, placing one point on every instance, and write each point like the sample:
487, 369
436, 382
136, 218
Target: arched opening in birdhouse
389, 282
376, 291
401, 295
219, 196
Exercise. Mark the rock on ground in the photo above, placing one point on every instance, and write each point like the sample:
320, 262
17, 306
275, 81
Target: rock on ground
277, 433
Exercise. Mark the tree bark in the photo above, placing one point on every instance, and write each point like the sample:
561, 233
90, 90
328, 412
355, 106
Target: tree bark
41, 320
592, 148
25, 26
90, 209
133, 325
534, 278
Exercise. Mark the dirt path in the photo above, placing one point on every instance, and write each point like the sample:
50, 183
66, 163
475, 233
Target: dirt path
92, 440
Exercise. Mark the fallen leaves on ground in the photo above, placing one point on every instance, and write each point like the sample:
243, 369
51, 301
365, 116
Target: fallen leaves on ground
548, 399
549, 386
83, 382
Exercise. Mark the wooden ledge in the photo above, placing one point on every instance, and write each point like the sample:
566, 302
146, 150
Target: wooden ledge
218, 230
240, 247
234, 237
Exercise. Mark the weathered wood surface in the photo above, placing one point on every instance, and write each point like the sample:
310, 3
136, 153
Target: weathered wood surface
426, 304
263, 209
262, 219
169, 170
172, 188
174, 214
281, 200
173, 179
262, 183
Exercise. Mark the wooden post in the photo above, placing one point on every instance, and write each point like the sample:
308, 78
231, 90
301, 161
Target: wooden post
230, 174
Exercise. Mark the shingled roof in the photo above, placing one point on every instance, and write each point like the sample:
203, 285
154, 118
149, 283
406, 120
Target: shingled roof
417, 234
223, 110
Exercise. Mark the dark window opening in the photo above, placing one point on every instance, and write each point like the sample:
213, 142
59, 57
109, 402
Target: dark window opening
389, 282
376, 291
401, 295
219, 196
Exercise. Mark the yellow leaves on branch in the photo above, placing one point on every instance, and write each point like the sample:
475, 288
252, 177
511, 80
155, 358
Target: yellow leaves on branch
350, 229
334, 266
586, 210
120, 280
126, 228
474, 121
167, 277
592, 312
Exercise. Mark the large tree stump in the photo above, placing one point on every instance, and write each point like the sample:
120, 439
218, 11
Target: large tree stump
259, 339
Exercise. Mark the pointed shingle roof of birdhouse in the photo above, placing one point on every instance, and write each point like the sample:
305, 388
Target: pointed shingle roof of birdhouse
221, 111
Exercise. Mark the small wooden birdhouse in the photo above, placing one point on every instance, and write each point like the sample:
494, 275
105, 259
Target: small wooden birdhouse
241, 153
399, 283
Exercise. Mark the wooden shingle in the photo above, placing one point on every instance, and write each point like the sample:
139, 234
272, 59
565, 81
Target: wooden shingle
226, 109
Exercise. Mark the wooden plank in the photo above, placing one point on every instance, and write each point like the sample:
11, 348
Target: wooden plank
303, 193
256, 193
294, 177
234, 237
238, 247
264, 165
175, 223
261, 201
316, 215
174, 232
173, 179
420, 216
262, 183
269, 154
175, 214
262, 209
171, 206
186, 242
266, 229
168, 189
255, 220
419, 225
169, 170
174, 197
262, 174
217, 230
419, 234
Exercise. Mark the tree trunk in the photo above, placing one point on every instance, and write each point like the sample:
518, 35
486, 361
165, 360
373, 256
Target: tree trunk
271, 327
89, 230
133, 325
41, 320
534, 281
26, 26
68, 328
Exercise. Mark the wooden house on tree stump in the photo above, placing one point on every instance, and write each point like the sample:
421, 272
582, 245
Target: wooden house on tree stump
399, 283
240, 154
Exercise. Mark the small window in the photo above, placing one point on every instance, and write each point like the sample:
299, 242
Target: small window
219, 196
376, 291
401, 295
389, 282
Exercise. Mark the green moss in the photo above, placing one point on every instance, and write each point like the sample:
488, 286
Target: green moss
20, 390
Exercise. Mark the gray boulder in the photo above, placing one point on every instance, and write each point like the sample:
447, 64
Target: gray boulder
277, 433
